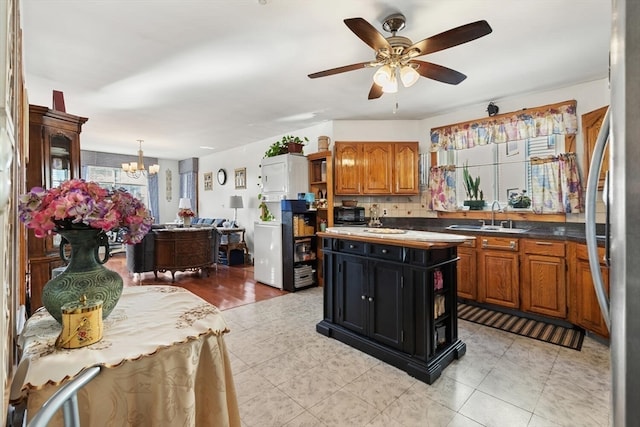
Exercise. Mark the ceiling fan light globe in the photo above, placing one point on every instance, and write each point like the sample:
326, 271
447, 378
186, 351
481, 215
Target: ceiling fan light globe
383, 76
409, 76
391, 86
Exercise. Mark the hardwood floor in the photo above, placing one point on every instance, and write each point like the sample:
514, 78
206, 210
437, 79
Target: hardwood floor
225, 287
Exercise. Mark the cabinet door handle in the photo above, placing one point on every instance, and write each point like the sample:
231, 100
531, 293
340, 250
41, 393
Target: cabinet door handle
370, 299
486, 245
384, 251
363, 297
352, 246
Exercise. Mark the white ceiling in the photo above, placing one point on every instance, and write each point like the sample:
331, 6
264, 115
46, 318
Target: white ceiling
181, 74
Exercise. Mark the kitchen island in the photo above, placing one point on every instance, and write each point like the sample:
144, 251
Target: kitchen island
392, 294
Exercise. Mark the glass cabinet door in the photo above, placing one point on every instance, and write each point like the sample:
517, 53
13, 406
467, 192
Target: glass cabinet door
60, 159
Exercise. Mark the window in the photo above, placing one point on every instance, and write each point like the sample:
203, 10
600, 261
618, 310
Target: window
502, 168
115, 178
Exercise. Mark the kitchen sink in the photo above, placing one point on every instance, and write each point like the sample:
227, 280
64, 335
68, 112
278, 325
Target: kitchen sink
485, 228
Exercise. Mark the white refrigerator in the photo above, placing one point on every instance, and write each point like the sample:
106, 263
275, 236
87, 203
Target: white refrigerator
267, 249
283, 177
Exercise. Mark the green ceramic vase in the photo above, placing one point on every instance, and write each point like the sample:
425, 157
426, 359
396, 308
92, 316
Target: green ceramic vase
85, 274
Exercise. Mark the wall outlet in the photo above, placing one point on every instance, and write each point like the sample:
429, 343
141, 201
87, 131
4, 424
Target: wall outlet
384, 212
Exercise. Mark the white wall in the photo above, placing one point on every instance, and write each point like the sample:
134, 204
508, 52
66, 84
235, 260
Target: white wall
379, 130
168, 196
214, 203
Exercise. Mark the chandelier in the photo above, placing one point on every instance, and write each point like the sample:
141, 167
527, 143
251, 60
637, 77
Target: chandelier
136, 169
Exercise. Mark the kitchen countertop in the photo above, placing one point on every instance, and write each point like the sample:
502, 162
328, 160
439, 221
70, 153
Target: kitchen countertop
574, 232
398, 237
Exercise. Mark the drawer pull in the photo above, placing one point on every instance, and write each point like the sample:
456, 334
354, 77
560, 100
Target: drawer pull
544, 243
486, 245
384, 251
352, 246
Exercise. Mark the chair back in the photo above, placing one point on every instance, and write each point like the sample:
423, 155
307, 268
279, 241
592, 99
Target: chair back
66, 398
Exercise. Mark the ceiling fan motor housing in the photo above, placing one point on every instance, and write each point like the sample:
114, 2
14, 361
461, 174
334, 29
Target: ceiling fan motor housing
394, 23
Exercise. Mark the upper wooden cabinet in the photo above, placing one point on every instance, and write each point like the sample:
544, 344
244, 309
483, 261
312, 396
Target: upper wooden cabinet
348, 165
405, 167
591, 124
376, 168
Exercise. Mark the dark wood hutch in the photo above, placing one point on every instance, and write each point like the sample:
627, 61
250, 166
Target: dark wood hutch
54, 157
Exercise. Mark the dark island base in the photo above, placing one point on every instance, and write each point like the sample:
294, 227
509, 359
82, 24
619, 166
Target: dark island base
427, 372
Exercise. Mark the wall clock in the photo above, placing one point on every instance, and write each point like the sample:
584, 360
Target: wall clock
222, 176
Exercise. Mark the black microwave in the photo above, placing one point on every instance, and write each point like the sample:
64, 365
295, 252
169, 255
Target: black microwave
349, 215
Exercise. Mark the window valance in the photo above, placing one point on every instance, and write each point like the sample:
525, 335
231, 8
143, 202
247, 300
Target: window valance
549, 119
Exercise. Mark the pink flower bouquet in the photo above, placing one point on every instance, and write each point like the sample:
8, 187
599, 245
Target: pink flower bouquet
78, 204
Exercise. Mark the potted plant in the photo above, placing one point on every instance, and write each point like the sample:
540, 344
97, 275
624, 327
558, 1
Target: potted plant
475, 196
288, 144
294, 144
276, 149
519, 200
265, 214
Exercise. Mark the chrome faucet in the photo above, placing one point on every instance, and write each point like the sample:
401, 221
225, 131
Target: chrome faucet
493, 212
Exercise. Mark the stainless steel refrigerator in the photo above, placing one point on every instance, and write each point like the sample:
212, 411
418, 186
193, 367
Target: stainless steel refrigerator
622, 194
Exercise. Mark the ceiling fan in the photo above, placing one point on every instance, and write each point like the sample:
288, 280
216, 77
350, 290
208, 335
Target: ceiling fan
395, 55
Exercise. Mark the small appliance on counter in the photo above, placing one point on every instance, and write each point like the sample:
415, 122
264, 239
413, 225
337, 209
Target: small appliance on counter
348, 216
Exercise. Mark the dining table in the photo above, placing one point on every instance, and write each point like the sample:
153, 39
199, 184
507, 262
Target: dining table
163, 362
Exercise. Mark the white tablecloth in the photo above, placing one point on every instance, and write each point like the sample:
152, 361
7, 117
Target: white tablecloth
165, 358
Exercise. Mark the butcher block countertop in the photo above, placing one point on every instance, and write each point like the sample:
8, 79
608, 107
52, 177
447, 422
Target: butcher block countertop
397, 237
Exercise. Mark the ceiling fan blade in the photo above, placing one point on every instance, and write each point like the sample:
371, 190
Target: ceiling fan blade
375, 92
438, 72
339, 70
367, 33
451, 38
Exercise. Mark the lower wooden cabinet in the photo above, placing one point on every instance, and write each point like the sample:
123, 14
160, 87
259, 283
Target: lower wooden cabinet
551, 278
543, 284
467, 267
584, 309
498, 272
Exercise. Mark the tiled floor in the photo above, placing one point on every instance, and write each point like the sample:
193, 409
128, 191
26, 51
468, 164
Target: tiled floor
287, 374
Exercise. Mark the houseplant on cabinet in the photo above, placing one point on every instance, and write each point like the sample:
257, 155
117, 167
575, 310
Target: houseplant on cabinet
475, 196
288, 144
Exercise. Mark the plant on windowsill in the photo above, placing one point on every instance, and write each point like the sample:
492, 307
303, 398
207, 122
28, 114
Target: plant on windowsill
475, 196
519, 200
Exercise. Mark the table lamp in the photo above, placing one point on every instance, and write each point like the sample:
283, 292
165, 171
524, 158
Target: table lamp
235, 202
183, 205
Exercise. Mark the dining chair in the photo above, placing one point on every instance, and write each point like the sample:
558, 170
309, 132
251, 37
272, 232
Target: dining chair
65, 398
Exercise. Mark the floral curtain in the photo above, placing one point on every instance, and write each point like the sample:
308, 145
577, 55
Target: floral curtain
555, 185
442, 188
529, 123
